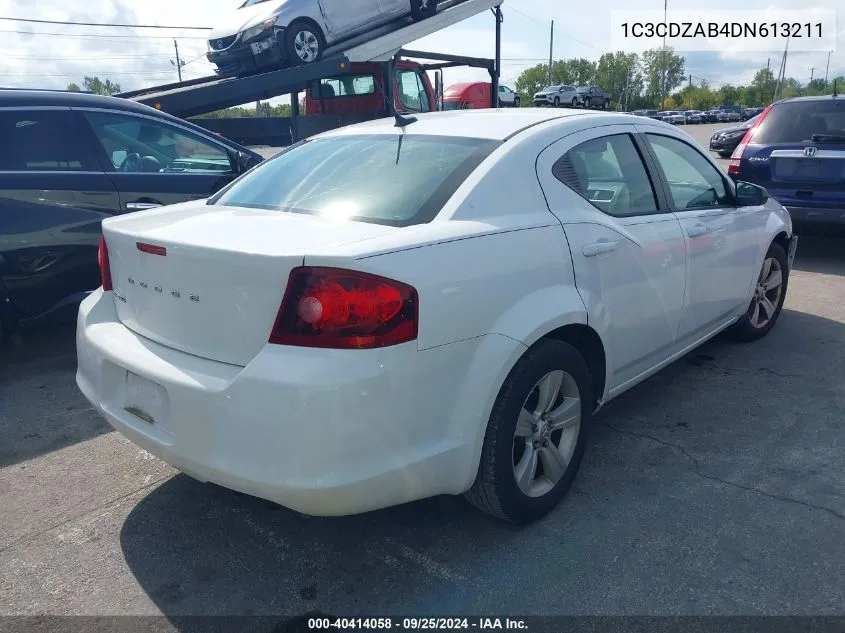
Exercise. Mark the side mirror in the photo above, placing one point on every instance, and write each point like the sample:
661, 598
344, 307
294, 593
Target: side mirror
749, 195
245, 162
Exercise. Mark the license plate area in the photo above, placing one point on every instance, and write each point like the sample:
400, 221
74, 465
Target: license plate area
259, 47
808, 170
146, 401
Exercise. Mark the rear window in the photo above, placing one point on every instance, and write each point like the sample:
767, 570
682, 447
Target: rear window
370, 178
347, 86
797, 121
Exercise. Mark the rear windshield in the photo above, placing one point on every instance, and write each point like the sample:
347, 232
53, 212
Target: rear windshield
398, 180
798, 121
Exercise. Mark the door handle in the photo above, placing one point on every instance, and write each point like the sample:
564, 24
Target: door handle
141, 206
602, 246
698, 229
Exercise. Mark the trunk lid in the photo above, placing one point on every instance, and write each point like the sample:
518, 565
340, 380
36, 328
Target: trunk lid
216, 290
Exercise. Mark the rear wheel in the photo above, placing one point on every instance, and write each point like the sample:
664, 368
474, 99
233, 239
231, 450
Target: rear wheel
304, 43
769, 296
422, 9
536, 435
574, 102
516, 102
557, 102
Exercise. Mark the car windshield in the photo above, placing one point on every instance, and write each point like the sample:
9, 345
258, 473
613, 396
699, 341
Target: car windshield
798, 121
398, 180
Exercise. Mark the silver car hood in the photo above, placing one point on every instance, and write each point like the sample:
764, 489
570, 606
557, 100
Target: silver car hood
241, 19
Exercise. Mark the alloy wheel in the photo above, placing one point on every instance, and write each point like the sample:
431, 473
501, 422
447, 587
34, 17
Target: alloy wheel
307, 46
546, 433
767, 294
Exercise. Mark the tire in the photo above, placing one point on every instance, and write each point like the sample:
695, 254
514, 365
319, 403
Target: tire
495, 490
310, 36
556, 102
746, 329
516, 102
574, 102
422, 9
607, 105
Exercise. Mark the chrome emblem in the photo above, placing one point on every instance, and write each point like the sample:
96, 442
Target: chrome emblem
120, 297
809, 152
220, 43
176, 294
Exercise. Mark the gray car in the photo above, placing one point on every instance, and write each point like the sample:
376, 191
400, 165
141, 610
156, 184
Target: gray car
277, 33
556, 96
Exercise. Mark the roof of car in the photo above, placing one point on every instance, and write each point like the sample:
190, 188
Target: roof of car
35, 98
814, 98
482, 123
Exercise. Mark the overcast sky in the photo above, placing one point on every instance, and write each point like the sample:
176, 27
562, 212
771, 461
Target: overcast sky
50, 56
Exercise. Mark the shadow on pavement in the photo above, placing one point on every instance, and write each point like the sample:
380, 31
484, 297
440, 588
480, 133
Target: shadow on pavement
698, 484
824, 255
42, 409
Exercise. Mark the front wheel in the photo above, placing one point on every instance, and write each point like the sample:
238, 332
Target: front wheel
516, 102
422, 9
767, 300
557, 102
304, 43
536, 435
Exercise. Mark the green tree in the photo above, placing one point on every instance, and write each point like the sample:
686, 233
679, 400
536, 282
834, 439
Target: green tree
664, 71
764, 81
531, 81
100, 87
73, 87
619, 75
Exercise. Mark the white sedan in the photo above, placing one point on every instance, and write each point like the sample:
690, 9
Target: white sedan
384, 314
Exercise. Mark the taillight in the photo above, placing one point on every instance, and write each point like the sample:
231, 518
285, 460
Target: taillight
103, 260
345, 309
736, 157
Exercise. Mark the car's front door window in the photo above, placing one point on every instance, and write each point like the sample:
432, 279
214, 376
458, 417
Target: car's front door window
136, 144
694, 183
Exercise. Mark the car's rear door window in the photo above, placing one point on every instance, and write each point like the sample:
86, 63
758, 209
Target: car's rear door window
397, 179
42, 140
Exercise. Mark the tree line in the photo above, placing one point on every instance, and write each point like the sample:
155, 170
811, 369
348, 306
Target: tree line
658, 79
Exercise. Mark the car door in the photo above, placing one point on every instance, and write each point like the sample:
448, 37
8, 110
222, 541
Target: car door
53, 198
155, 163
394, 8
627, 248
722, 240
344, 17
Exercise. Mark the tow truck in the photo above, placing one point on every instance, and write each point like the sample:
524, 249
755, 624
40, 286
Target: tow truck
346, 86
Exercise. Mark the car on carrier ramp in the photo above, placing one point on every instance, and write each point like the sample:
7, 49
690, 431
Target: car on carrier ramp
264, 34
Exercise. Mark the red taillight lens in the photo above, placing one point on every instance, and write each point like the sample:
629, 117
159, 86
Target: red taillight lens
734, 168
103, 260
345, 309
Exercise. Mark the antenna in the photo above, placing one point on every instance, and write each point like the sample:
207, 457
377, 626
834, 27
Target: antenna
402, 121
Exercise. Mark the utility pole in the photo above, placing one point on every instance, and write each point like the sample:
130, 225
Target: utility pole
551, 50
812, 70
827, 68
179, 63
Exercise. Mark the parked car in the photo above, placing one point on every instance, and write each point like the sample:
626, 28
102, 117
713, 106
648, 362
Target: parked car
724, 141
710, 116
674, 117
508, 98
728, 116
353, 288
750, 113
592, 97
692, 117
796, 150
556, 96
276, 33
69, 160
651, 114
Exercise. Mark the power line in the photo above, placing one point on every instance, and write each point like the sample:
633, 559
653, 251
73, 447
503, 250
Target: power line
101, 35
128, 26
545, 23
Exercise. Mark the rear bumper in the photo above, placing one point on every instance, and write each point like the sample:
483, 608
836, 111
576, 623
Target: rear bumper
324, 432
818, 217
244, 58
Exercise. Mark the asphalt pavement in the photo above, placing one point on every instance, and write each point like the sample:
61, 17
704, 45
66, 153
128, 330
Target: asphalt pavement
715, 487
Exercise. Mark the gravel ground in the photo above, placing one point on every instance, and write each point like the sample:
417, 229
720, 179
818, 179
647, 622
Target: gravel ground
716, 487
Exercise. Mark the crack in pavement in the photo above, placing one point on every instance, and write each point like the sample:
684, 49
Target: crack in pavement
697, 471
111, 502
